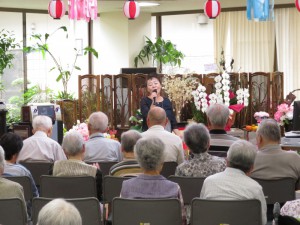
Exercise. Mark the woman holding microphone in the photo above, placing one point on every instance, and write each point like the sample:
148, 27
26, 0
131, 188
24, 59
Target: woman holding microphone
154, 99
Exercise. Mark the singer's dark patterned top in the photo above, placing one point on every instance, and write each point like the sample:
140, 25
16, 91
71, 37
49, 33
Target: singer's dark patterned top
165, 104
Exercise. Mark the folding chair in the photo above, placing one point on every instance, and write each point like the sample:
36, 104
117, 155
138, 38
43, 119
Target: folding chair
68, 187
104, 166
190, 187
168, 169
233, 212
37, 169
146, 211
281, 190
12, 212
111, 188
89, 209
25, 182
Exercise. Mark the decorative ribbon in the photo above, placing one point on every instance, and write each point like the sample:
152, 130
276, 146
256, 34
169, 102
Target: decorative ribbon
83, 9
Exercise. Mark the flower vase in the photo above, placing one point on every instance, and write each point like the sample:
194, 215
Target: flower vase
288, 127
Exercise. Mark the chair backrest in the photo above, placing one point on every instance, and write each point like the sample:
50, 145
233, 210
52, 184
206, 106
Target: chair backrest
190, 187
233, 212
105, 167
12, 212
68, 187
24, 181
146, 211
37, 169
281, 190
89, 209
112, 187
168, 169
218, 153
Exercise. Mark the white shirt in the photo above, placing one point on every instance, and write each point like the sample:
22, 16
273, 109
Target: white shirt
173, 143
233, 184
39, 147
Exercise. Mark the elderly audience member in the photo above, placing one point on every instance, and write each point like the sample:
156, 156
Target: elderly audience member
59, 212
40, 147
12, 144
129, 166
150, 184
73, 145
272, 162
234, 183
217, 118
156, 121
202, 164
97, 147
197, 138
9, 189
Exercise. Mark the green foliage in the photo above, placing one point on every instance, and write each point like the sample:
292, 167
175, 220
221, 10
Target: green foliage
64, 75
31, 95
198, 115
7, 43
161, 51
136, 121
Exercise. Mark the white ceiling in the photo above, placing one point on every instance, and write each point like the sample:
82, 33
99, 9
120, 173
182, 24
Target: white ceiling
116, 5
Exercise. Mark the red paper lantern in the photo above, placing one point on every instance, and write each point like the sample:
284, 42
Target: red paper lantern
297, 3
212, 8
56, 9
131, 9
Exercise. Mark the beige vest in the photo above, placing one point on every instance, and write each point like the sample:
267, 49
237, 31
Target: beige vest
73, 168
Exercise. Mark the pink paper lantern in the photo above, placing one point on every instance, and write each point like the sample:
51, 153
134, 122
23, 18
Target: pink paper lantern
212, 8
83, 10
131, 9
56, 9
297, 3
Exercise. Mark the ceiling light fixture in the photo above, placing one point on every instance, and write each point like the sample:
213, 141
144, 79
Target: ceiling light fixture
148, 4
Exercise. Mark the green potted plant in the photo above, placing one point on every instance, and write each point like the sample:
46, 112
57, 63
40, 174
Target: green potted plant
161, 51
7, 43
41, 45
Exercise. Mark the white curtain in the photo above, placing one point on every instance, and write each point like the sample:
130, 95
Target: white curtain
287, 26
252, 44
221, 26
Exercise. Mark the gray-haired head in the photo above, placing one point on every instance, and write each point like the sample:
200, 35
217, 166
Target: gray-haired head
149, 152
129, 139
41, 123
98, 121
2, 160
59, 212
241, 155
218, 115
269, 130
197, 138
73, 143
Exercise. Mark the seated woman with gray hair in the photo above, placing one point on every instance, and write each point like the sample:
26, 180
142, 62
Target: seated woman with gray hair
74, 147
151, 185
59, 212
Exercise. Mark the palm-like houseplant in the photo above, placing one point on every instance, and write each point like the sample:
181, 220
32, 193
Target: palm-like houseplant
41, 45
7, 42
161, 51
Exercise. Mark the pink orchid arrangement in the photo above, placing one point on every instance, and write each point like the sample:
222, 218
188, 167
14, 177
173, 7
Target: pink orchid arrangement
82, 128
284, 114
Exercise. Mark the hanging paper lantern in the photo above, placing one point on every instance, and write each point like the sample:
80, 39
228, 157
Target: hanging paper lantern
131, 9
297, 3
212, 8
56, 9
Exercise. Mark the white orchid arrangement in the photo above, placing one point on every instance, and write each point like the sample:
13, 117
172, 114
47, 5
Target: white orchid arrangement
222, 94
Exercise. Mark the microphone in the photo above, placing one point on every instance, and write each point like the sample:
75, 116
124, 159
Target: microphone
154, 98
276, 212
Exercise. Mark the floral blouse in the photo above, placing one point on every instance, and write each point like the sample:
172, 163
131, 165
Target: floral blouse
291, 208
202, 165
